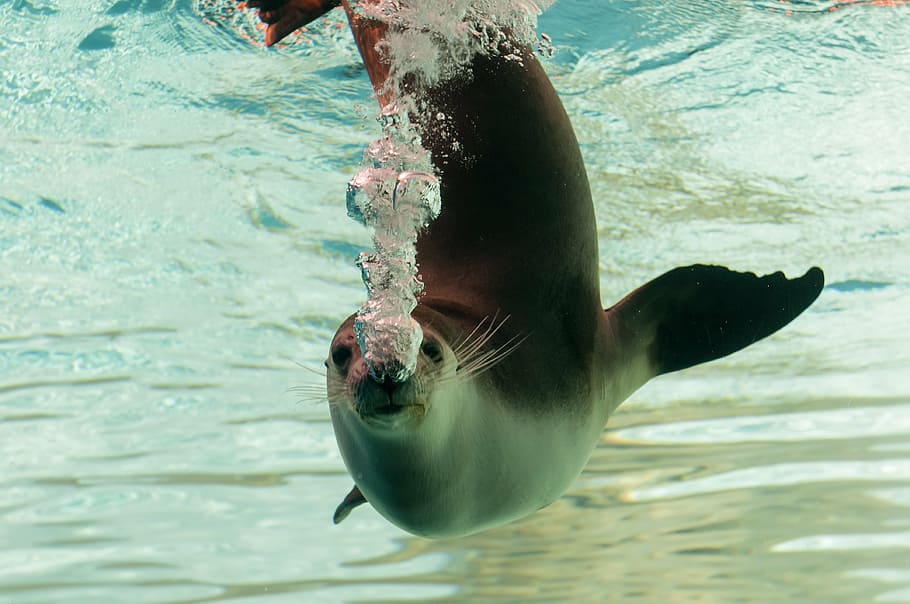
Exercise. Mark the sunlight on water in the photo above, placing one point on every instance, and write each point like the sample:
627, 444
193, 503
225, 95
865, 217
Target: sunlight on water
173, 240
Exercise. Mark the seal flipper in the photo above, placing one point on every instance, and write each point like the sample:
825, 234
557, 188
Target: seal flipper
285, 16
693, 314
351, 501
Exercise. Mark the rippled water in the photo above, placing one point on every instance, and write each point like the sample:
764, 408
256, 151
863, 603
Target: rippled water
173, 241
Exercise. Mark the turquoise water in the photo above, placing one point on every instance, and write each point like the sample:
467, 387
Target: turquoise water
173, 242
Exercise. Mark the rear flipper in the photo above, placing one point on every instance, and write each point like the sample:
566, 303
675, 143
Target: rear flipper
285, 16
699, 313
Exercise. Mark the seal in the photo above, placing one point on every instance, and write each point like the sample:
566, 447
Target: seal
520, 365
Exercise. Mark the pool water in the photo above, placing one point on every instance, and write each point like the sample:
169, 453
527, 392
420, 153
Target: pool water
175, 254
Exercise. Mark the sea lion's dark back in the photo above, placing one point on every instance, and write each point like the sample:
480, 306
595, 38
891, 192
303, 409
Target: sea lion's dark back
514, 194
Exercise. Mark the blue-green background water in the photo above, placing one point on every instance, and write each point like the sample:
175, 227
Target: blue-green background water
173, 242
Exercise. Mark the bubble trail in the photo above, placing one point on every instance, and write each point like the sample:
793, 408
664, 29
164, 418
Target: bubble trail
397, 193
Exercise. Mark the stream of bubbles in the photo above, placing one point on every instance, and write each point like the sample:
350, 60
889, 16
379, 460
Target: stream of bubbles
397, 193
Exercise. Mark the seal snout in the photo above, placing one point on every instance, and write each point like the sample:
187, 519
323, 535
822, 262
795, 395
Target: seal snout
372, 392
376, 396
380, 398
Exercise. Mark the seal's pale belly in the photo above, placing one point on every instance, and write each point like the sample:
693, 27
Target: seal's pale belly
471, 462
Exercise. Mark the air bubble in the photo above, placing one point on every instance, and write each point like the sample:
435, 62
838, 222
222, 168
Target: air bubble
397, 193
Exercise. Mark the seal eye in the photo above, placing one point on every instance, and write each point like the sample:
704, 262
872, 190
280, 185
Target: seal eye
340, 356
433, 351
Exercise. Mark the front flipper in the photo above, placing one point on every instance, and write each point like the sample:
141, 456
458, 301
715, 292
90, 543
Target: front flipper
351, 501
285, 16
698, 313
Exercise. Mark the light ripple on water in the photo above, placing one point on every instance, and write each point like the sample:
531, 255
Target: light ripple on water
832, 424
891, 540
784, 474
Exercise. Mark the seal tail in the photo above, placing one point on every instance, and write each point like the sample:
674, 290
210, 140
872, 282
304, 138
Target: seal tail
693, 314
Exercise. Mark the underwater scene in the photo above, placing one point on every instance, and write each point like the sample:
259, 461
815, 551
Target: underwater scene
176, 254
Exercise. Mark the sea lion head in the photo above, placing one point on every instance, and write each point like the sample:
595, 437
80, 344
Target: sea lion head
400, 439
371, 396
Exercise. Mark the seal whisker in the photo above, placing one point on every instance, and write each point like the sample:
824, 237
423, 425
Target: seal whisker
469, 354
459, 349
336, 388
319, 372
308, 389
480, 339
488, 359
313, 400
483, 338
497, 355
310, 393
475, 351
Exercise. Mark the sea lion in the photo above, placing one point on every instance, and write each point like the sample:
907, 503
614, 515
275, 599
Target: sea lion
520, 365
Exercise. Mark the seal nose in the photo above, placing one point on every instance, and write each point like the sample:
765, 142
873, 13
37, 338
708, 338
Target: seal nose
388, 373
388, 385
376, 396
